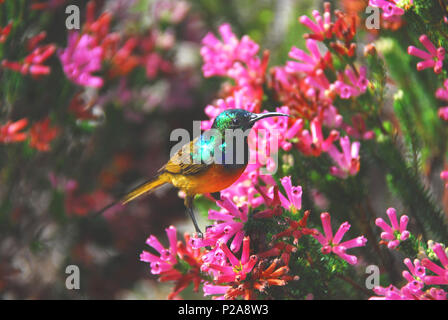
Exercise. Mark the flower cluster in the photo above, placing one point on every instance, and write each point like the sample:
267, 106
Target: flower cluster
442, 94
81, 58
302, 85
33, 63
423, 279
215, 265
332, 243
432, 58
396, 232
390, 8
179, 263
40, 133
236, 59
423, 276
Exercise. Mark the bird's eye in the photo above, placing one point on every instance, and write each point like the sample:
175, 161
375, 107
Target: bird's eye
235, 121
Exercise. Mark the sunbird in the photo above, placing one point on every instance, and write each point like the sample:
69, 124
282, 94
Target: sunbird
198, 169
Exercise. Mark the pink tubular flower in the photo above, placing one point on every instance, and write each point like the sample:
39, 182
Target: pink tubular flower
217, 291
278, 132
331, 118
245, 278
441, 276
236, 59
395, 233
293, 199
309, 62
358, 129
390, 8
433, 58
314, 143
332, 244
417, 279
12, 131
415, 275
390, 293
243, 192
443, 113
219, 57
238, 269
358, 84
321, 26
347, 161
81, 58
239, 100
442, 94
167, 258
229, 223
405, 293
33, 63
166, 264
444, 176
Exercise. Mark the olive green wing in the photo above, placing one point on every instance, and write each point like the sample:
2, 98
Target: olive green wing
187, 161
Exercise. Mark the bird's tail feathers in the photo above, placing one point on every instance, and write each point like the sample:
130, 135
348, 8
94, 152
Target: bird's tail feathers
144, 188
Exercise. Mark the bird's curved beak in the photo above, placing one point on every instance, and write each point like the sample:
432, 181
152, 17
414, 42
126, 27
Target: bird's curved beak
258, 116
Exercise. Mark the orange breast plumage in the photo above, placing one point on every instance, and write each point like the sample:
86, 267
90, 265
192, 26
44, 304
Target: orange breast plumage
215, 178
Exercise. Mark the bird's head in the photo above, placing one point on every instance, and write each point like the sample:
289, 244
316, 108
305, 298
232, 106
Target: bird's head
241, 119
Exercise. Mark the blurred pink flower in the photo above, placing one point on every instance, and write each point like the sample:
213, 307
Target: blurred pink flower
217, 291
442, 94
358, 129
358, 83
444, 176
331, 118
395, 233
278, 132
309, 62
314, 143
239, 100
236, 59
321, 26
405, 293
81, 58
347, 161
332, 244
390, 8
433, 58
293, 199
220, 56
443, 113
